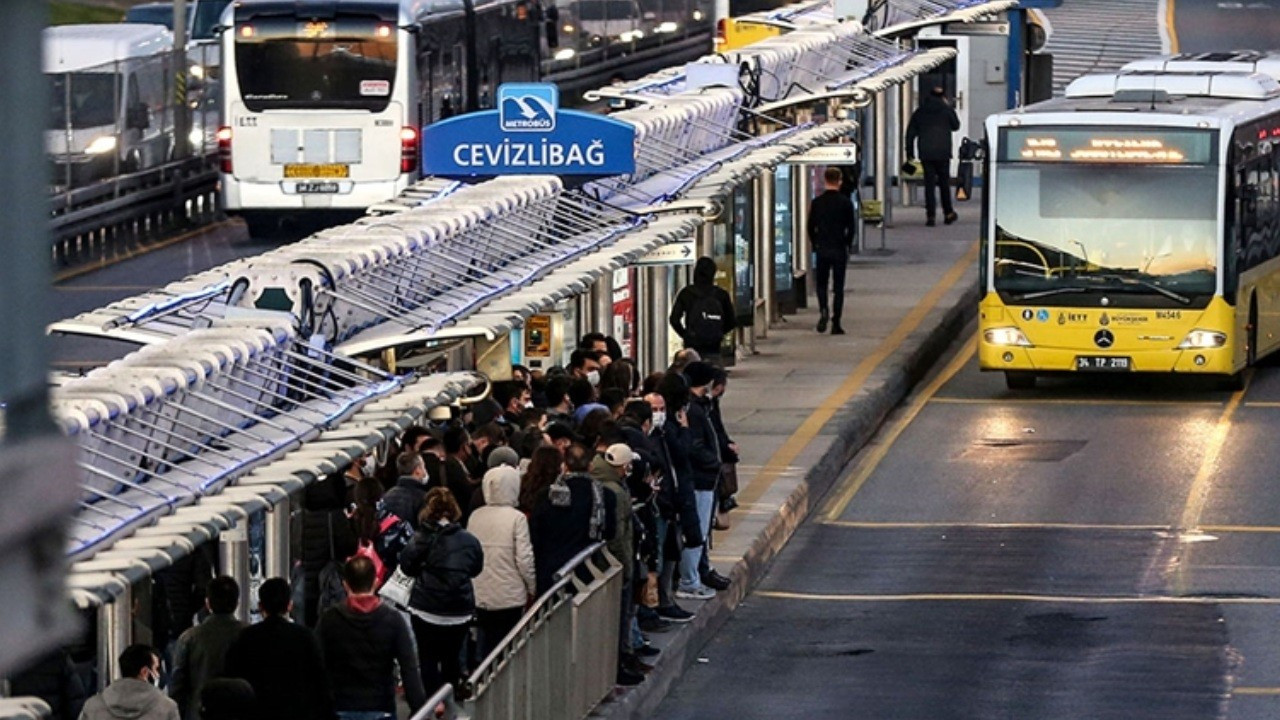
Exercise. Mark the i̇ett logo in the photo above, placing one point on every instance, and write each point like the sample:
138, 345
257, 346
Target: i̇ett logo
527, 107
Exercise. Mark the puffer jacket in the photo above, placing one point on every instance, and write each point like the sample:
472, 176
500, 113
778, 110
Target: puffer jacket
508, 577
443, 559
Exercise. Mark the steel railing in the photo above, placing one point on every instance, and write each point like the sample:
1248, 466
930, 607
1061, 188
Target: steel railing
559, 661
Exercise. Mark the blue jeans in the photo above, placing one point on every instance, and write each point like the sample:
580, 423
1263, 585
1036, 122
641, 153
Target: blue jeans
690, 557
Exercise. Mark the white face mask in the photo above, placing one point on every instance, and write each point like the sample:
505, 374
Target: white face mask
659, 418
528, 403
593, 377
369, 466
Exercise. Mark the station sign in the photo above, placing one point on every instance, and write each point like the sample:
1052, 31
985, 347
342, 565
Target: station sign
844, 154
676, 253
528, 134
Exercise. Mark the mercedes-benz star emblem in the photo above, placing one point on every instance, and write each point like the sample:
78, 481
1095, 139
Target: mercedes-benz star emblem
1104, 339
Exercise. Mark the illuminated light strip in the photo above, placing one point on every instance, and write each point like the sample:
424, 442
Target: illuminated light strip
1256, 691
1018, 597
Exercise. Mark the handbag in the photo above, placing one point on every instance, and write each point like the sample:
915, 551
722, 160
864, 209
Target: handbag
397, 589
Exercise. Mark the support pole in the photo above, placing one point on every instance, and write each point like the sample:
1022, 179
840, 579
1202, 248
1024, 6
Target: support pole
881, 149
907, 103
233, 556
602, 304
277, 560
765, 254
115, 633
182, 111
801, 252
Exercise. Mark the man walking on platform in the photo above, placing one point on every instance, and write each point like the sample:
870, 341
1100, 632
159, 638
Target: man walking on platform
831, 232
932, 124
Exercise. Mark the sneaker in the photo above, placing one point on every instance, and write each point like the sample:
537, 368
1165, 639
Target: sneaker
822, 323
836, 329
715, 581
676, 614
950, 218
628, 678
655, 625
930, 222
647, 650
701, 592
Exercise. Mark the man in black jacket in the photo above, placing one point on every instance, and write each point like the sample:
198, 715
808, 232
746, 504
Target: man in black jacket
932, 124
703, 313
404, 500
676, 504
831, 231
201, 652
281, 660
705, 461
362, 641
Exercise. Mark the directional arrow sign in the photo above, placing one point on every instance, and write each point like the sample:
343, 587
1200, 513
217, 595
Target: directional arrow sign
677, 253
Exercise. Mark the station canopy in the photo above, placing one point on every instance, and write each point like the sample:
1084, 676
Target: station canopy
245, 385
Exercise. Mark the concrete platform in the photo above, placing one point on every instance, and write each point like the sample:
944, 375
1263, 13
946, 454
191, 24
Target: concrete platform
805, 403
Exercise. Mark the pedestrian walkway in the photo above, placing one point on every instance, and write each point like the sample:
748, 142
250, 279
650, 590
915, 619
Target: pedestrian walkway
802, 406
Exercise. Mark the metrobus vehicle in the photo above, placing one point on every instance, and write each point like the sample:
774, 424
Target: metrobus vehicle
323, 100
1134, 224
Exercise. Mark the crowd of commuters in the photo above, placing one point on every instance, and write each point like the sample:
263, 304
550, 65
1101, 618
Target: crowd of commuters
479, 508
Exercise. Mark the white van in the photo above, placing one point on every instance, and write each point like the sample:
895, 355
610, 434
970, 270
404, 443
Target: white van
111, 111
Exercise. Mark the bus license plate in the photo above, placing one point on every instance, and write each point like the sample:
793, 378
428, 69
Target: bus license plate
1098, 363
317, 170
317, 187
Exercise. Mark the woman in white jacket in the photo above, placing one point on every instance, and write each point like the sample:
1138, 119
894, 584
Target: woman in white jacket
508, 579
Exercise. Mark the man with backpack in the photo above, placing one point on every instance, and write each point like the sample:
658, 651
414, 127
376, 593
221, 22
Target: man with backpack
703, 313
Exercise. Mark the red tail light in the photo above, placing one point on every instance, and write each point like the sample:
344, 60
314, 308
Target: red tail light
224, 149
722, 31
408, 150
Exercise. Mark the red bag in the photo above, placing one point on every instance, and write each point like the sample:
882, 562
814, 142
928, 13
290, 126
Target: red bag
366, 550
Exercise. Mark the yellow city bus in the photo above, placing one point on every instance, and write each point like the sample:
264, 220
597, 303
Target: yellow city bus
1134, 224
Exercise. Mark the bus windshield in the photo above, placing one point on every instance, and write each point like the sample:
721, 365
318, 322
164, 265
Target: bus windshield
342, 63
1065, 229
91, 98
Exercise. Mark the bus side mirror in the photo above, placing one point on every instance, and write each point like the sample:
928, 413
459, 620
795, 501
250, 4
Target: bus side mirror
138, 117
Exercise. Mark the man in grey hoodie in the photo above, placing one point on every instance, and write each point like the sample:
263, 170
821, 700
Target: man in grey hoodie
135, 695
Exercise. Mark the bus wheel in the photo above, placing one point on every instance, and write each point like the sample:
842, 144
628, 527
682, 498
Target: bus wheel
1251, 338
261, 225
1015, 380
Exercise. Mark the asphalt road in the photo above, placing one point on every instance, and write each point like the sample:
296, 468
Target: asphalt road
1086, 550
1220, 25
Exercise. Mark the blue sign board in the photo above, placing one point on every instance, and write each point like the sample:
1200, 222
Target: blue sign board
528, 135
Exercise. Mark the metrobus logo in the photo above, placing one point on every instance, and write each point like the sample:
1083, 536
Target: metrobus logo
527, 107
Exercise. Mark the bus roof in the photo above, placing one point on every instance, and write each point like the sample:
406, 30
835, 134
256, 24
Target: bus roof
68, 48
395, 11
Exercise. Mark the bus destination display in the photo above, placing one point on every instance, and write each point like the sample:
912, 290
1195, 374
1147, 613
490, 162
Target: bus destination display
1114, 145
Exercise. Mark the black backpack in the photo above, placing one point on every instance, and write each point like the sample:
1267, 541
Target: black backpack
706, 319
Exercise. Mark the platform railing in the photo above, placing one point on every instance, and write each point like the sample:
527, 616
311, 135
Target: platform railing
559, 661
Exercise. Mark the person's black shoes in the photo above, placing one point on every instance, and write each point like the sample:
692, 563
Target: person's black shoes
950, 218
715, 580
822, 323
728, 504
647, 650
657, 624
675, 613
930, 222
836, 329
628, 678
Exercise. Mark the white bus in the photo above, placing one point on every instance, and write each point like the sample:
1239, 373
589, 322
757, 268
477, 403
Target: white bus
323, 101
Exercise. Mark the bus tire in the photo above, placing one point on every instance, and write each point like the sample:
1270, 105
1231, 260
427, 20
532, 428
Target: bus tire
1251, 336
1017, 380
261, 224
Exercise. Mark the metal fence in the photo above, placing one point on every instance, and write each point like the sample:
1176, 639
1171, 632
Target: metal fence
560, 661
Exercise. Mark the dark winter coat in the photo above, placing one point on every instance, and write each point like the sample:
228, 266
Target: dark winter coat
704, 279
676, 500
359, 651
831, 225
727, 454
282, 661
931, 126
443, 559
327, 535
200, 656
559, 533
704, 444
405, 499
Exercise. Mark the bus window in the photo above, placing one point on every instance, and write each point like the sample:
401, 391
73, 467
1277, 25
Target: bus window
342, 63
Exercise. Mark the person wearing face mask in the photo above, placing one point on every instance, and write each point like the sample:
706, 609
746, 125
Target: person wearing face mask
680, 530
705, 462
514, 397
586, 364
135, 695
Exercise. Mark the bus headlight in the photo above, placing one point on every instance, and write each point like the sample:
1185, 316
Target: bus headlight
1006, 337
101, 145
1203, 339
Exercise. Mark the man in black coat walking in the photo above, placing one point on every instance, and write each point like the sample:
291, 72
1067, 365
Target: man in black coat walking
281, 661
931, 125
831, 231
